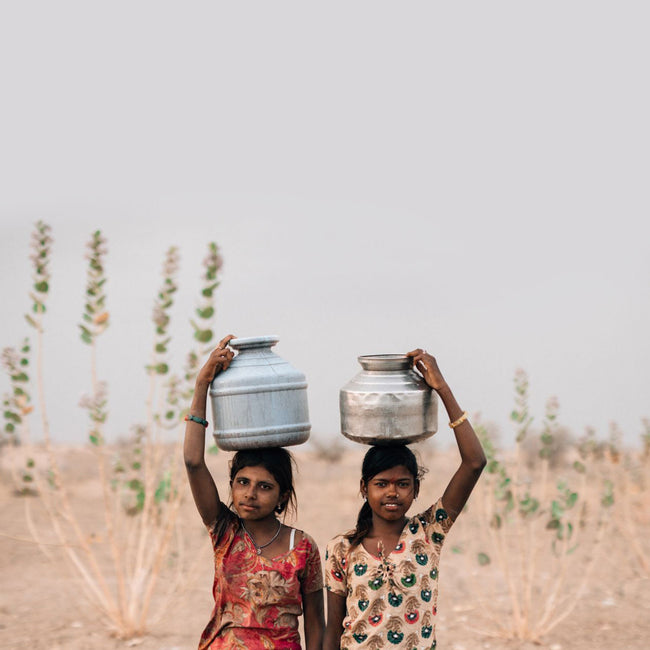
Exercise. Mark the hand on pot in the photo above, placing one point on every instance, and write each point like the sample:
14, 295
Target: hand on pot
428, 368
217, 362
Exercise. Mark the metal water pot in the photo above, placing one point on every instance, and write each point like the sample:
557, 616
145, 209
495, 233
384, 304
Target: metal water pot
387, 403
260, 401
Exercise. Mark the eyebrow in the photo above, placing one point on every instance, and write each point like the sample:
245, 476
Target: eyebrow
264, 481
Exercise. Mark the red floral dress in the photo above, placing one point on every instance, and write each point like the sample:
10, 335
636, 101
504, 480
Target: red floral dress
258, 600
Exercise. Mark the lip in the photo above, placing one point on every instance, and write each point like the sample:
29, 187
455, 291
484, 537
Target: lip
391, 505
247, 507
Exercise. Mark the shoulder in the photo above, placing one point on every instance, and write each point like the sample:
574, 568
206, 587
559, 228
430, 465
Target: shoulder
435, 516
304, 539
225, 526
338, 545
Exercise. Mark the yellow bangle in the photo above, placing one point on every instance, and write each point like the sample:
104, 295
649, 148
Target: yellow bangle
460, 420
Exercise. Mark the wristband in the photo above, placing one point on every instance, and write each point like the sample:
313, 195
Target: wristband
460, 420
195, 419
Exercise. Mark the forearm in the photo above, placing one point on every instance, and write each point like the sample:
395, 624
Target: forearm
332, 640
314, 620
194, 443
469, 446
336, 610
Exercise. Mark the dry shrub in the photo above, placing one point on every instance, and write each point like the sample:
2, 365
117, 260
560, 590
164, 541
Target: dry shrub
140, 493
540, 534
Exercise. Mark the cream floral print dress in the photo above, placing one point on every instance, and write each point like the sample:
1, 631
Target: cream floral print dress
390, 599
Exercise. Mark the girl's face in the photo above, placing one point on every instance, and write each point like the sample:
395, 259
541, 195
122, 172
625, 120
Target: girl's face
390, 493
255, 493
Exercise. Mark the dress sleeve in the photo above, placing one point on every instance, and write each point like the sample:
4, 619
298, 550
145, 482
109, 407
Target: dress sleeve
223, 530
313, 576
437, 522
335, 563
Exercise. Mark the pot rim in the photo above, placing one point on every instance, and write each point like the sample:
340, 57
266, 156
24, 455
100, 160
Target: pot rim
385, 362
251, 342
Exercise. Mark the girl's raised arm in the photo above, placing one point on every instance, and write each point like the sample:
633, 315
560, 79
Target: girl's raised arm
203, 487
472, 458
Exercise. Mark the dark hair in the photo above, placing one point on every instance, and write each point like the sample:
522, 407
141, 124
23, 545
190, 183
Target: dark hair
278, 462
379, 459
275, 460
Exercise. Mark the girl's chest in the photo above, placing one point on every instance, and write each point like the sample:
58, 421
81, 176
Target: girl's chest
379, 547
241, 562
411, 559
258, 580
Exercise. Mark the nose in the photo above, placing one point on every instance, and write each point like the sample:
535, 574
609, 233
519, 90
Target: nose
391, 489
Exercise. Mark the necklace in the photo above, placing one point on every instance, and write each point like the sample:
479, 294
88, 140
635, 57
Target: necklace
258, 549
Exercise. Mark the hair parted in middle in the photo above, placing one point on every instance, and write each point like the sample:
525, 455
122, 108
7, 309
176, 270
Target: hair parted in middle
279, 463
379, 459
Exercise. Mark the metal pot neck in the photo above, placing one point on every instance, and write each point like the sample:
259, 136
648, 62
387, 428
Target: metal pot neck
385, 362
254, 342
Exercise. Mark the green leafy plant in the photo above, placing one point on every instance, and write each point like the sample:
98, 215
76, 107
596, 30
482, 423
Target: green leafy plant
95, 316
17, 402
525, 508
206, 310
140, 494
627, 478
16, 410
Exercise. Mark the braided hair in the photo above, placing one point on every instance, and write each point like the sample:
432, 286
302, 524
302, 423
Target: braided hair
379, 459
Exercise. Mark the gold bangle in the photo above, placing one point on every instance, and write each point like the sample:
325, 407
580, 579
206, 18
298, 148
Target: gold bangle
460, 420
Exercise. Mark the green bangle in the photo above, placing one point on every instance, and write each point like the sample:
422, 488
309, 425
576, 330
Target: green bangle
195, 419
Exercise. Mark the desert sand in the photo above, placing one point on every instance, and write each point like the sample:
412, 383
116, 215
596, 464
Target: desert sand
42, 604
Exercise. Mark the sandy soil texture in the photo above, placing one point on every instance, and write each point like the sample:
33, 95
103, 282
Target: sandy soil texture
42, 604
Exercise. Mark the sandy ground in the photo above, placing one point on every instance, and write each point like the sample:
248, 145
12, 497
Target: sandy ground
42, 605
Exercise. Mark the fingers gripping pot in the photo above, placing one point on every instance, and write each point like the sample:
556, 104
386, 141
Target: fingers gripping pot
387, 403
260, 401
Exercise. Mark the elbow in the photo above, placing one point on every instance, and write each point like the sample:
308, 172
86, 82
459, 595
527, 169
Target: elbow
477, 465
193, 465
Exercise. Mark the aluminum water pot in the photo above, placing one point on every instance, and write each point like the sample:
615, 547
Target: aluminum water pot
260, 400
387, 403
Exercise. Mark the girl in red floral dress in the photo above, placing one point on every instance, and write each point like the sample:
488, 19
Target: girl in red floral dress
266, 574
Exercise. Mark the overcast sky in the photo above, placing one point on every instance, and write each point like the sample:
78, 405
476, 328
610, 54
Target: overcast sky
470, 178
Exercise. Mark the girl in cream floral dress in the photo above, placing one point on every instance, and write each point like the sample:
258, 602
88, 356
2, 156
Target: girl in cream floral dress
382, 577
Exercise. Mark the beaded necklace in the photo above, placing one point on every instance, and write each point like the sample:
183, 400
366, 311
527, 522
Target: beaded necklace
258, 549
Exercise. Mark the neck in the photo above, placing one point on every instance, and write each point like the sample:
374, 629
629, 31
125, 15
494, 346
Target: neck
259, 539
382, 527
261, 527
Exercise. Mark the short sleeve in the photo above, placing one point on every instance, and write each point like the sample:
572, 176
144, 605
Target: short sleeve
437, 522
222, 535
335, 573
313, 575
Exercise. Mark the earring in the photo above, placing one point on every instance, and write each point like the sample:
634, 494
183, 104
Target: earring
279, 508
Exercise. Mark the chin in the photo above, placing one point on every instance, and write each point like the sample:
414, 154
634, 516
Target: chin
248, 514
393, 514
